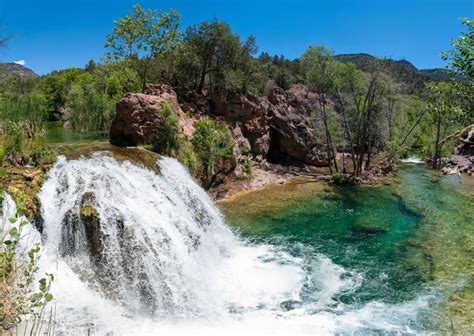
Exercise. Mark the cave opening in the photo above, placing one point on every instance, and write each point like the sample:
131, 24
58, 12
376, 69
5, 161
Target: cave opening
275, 154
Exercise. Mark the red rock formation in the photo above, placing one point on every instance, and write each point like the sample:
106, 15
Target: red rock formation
277, 127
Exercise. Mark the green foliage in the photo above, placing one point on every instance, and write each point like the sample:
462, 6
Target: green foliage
279, 71
443, 117
461, 60
18, 271
144, 34
91, 99
342, 179
29, 112
212, 141
14, 152
246, 172
462, 55
43, 154
212, 57
187, 156
55, 88
167, 138
89, 109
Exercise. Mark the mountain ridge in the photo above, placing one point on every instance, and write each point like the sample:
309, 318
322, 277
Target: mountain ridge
9, 69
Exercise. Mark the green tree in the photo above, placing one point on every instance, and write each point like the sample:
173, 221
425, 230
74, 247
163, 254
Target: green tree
55, 87
144, 35
461, 60
462, 55
217, 58
325, 74
443, 114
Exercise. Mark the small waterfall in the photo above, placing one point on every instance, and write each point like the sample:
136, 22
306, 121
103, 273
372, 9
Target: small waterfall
136, 252
412, 159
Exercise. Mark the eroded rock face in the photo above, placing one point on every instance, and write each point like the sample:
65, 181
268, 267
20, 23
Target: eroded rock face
247, 113
277, 127
291, 125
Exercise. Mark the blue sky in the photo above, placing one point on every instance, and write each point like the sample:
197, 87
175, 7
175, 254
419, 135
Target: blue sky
52, 34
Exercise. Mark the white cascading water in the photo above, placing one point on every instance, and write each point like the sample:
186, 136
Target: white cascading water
412, 159
169, 265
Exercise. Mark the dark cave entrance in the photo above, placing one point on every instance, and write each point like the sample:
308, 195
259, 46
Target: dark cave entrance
275, 155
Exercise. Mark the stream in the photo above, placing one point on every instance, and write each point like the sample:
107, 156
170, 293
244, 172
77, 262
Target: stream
299, 259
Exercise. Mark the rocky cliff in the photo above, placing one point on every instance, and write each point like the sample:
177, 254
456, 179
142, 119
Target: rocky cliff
277, 128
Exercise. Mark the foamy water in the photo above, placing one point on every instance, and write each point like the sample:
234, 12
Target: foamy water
171, 266
412, 159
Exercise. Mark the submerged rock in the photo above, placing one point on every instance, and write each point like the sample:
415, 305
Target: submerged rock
369, 226
91, 220
81, 230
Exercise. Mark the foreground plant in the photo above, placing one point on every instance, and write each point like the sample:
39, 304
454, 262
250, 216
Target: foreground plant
24, 300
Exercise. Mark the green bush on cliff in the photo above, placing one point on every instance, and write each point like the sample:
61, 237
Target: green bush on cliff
187, 156
212, 141
167, 132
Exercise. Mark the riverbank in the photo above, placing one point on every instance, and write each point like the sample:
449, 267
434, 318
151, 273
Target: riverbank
275, 174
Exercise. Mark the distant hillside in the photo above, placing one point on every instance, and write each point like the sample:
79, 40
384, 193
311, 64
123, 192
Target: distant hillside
402, 71
13, 69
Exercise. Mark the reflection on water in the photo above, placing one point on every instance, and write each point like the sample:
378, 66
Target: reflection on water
56, 133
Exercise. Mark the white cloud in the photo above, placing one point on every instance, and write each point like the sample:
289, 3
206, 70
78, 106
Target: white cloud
21, 62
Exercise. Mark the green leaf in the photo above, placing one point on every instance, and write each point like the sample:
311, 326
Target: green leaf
48, 296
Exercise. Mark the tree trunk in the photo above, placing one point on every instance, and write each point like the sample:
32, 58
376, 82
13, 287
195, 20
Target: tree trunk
346, 126
329, 139
145, 73
437, 162
202, 76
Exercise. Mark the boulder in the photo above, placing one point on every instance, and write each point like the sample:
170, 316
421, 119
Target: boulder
138, 118
90, 218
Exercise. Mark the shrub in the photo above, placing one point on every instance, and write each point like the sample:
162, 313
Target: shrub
42, 154
167, 133
18, 270
212, 141
28, 111
246, 169
187, 156
14, 148
342, 179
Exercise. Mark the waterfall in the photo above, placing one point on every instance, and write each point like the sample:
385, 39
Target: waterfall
136, 252
412, 159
